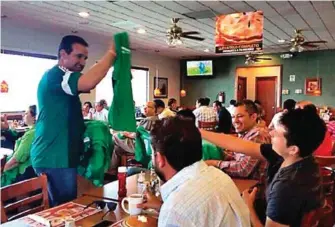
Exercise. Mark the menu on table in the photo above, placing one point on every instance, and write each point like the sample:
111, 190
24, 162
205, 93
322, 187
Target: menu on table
58, 215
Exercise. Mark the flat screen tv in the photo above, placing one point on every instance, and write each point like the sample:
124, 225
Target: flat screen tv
202, 68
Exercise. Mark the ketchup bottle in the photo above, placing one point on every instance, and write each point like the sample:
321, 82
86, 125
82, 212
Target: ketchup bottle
122, 178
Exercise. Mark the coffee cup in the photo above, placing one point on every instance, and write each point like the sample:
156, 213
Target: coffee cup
133, 201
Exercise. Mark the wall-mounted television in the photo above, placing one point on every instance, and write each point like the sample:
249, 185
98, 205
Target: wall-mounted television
201, 68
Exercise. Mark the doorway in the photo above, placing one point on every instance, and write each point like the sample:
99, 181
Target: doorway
241, 88
266, 90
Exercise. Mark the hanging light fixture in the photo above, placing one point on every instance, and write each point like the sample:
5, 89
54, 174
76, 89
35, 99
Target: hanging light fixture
182, 91
3, 84
157, 91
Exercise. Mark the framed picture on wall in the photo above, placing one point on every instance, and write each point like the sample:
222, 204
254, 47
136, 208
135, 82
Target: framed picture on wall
163, 87
313, 86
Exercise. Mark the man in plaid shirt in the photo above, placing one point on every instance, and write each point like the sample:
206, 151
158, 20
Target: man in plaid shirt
204, 112
244, 117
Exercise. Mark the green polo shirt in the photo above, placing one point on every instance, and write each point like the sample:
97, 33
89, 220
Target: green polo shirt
60, 125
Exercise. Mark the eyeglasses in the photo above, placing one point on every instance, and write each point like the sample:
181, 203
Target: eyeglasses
102, 204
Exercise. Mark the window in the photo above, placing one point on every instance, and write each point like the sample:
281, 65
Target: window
22, 74
104, 89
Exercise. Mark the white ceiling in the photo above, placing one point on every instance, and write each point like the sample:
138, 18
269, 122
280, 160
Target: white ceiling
280, 20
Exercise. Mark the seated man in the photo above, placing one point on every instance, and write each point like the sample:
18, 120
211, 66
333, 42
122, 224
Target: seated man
161, 111
101, 113
203, 112
223, 117
193, 194
288, 105
172, 104
293, 187
244, 116
125, 141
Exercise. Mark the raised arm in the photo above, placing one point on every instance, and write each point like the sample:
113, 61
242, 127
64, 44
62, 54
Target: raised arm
97, 72
232, 143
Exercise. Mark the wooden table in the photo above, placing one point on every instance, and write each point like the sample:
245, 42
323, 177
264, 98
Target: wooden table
110, 190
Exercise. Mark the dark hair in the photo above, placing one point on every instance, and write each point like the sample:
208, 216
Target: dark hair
249, 105
159, 103
178, 140
305, 129
171, 101
89, 104
218, 103
102, 103
232, 102
289, 104
33, 110
186, 114
258, 102
311, 108
201, 101
207, 101
68, 41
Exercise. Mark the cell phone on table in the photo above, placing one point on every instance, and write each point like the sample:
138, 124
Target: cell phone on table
104, 223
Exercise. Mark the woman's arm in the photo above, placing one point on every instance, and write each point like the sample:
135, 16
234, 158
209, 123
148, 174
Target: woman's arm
232, 143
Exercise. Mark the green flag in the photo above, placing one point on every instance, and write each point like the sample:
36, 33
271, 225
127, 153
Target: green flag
121, 114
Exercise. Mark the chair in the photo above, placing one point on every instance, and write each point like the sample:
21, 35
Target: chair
310, 219
24, 189
328, 181
209, 126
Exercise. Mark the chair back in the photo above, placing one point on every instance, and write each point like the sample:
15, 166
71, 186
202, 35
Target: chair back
326, 164
325, 160
209, 126
311, 219
21, 194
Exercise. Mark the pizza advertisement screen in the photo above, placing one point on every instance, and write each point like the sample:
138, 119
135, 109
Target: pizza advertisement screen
199, 68
239, 32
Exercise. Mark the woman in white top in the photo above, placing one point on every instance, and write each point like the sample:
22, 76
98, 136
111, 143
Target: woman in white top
88, 110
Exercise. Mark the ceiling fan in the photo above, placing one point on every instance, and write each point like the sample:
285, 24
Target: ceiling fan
298, 43
175, 33
253, 58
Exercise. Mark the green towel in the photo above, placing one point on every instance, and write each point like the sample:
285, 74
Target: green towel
210, 151
121, 114
94, 159
143, 149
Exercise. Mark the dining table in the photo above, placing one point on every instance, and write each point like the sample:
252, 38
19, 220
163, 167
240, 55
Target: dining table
110, 191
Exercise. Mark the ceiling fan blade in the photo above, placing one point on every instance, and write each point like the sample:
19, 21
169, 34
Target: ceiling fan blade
194, 38
190, 33
313, 42
264, 59
309, 45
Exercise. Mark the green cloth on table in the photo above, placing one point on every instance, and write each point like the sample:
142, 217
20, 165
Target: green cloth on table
22, 155
211, 152
95, 159
121, 114
143, 149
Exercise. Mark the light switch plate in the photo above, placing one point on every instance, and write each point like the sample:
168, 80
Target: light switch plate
292, 78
